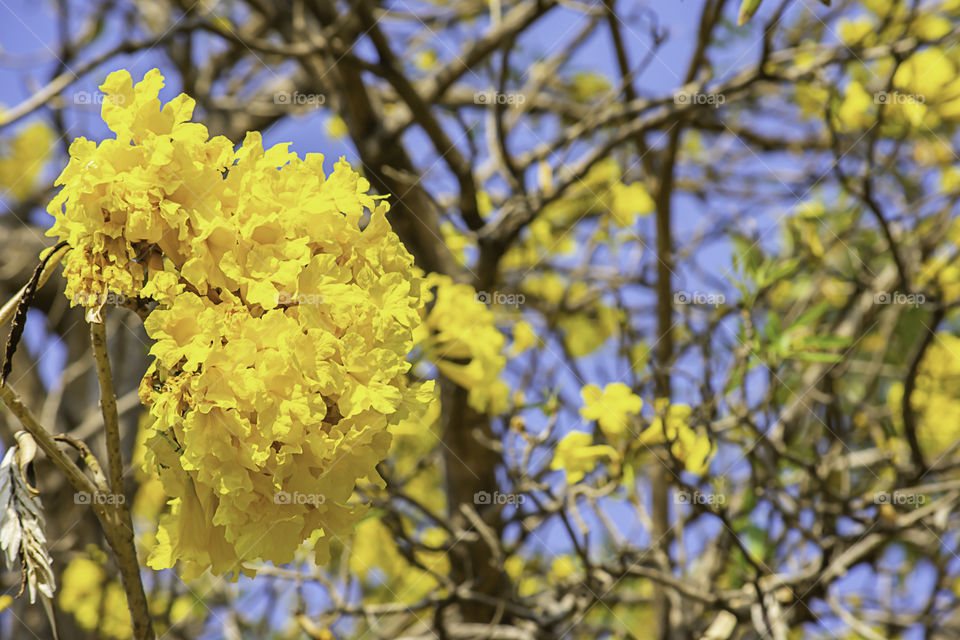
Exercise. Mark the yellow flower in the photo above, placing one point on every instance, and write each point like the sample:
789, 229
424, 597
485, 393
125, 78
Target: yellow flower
374, 548
285, 309
95, 602
693, 449
587, 331
562, 567
936, 398
855, 112
133, 200
612, 408
336, 127
628, 202
459, 336
524, 337
600, 193
456, 241
23, 158
861, 31
575, 455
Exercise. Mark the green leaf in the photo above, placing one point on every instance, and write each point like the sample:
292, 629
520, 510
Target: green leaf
826, 343
747, 255
774, 329
735, 380
783, 345
809, 316
781, 271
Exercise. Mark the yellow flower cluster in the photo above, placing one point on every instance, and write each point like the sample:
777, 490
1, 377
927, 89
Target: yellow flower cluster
377, 560
935, 397
612, 408
601, 193
285, 310
95, 602
925, 88
22, 157
616, 408
460, 337
691, 447
586, 322
577, 455
99, 603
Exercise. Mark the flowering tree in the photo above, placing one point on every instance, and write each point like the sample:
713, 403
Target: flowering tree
593, 332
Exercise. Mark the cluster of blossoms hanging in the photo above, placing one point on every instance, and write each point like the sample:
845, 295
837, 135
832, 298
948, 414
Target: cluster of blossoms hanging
460, 337
284, 310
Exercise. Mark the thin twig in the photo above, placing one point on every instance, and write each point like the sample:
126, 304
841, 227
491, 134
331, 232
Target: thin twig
122, 539
74, 474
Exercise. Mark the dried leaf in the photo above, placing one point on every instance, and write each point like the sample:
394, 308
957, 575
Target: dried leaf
26, 452
20, 318
22, 523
